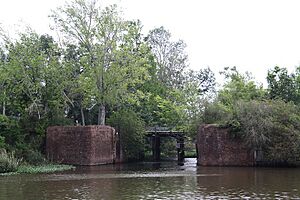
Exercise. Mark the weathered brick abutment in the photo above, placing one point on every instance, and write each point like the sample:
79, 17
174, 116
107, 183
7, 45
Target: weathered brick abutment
216, 147
81, 145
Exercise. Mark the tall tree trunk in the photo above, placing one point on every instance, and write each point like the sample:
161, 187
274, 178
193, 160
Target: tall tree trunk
4, 108
4, 105
101, 115
82, 116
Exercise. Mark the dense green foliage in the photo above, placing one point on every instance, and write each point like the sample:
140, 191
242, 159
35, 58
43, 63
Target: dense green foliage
236, 88
132, 132
272, 126
266, 120
283, 85
34, 161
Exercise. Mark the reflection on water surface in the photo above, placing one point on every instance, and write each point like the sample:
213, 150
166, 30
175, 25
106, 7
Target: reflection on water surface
164, 180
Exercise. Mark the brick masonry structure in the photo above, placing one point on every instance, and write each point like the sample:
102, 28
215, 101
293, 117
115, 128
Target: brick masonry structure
215, 147
82, 145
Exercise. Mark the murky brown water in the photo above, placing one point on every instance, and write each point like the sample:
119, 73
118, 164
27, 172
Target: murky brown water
156, 181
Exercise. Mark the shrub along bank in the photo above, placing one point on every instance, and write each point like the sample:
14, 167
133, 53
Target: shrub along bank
272, 127
10, 164
266, 121
132, 133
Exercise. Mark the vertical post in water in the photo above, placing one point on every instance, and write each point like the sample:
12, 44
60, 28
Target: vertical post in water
180, 149
156, 146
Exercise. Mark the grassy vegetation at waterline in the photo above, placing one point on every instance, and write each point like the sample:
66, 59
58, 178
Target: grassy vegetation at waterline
29, 169
9, 164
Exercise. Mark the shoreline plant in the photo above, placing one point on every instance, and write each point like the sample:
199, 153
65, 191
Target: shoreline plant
8, 161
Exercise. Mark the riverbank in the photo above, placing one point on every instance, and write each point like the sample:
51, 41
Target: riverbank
47, 168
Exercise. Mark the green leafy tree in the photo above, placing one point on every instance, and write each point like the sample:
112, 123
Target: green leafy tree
131, 129
111, 61
10, 134
199, 85
239, 87
159, 105
170, 57
27, 65
32, 89
35, 75
270, 126
282, 85
173, 94
3, 82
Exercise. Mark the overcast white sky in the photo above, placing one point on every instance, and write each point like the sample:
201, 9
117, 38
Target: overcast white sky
254, 35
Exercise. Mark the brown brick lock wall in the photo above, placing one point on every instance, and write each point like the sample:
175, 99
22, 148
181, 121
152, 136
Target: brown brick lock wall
215, 147
81, 145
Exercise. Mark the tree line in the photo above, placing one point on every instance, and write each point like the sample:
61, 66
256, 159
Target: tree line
267, 120
101, 67
101, 70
